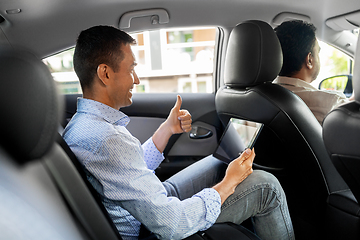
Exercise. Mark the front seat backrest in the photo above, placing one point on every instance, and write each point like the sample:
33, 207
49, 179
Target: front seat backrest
290, 145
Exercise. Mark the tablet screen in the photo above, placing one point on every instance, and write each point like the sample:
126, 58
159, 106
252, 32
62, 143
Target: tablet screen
239, 134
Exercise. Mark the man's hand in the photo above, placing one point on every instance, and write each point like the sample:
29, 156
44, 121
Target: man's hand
240, 168
237, 171
178, 120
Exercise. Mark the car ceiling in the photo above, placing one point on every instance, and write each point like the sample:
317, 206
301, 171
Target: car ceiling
47, 27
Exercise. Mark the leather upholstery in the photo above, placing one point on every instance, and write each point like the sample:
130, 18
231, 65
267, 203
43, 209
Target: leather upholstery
345, 201
31, 116
341, 132
290, 145
253, 55
29, 129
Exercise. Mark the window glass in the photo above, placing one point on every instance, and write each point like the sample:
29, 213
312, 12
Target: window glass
169, 60
332, 62
62, 69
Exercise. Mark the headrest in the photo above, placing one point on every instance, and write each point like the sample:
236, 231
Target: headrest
28, 104
356, 76
253, 56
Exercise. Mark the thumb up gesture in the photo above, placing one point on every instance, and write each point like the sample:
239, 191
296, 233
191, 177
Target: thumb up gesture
179, 120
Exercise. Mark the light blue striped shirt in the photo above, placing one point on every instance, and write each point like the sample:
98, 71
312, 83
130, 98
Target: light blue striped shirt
124, 168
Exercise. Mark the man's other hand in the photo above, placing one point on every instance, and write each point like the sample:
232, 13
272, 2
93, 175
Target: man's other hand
237, 171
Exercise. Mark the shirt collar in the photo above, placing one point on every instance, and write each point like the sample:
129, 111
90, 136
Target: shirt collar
296, 82
101, 110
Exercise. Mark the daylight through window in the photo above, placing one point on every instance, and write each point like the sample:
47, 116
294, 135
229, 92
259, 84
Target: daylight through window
169, 60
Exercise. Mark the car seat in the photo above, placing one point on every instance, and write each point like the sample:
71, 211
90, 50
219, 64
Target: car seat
30, 205
341, 133
290, 145
34, 170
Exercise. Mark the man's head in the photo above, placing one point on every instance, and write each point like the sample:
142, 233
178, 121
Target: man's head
98, 45
104, 63
300, 48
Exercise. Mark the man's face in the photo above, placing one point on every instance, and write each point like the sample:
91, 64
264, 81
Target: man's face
316, 60
124, 79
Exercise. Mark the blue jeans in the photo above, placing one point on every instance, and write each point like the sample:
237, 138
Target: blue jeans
259, 197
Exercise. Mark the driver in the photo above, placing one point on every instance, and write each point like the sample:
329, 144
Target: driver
301, 66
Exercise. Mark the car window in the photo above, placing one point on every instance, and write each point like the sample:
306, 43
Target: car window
333, 62
169, 60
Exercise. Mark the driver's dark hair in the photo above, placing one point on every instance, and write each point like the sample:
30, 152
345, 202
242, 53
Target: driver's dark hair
297, 39
98, 45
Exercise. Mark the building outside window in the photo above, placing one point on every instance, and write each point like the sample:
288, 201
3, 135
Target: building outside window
169, 60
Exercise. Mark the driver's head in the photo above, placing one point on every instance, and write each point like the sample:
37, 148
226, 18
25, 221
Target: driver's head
299, 46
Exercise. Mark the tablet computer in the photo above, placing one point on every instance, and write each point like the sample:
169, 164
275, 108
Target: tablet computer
239, 134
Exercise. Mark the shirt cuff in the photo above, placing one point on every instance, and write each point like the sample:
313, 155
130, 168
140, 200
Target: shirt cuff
212, 201
152, 156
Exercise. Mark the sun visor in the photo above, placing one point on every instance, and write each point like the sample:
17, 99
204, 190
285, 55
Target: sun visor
344, 22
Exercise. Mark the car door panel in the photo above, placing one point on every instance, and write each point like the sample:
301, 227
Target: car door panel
144, 127
189, 146
148, 111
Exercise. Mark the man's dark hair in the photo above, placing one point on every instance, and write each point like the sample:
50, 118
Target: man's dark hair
98, 45
297, 39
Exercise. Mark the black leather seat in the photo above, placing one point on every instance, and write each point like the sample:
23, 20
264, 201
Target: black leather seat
290, 145
341, 133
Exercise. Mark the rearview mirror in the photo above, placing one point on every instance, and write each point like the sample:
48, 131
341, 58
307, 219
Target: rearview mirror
341, 83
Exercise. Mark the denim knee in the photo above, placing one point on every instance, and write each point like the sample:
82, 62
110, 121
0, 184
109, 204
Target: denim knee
262, 177
262, 181
270, 186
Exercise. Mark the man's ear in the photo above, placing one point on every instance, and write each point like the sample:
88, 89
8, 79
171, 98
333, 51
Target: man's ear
309, 61
103, 73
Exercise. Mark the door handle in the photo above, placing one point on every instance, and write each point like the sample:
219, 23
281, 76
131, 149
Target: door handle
200, 133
